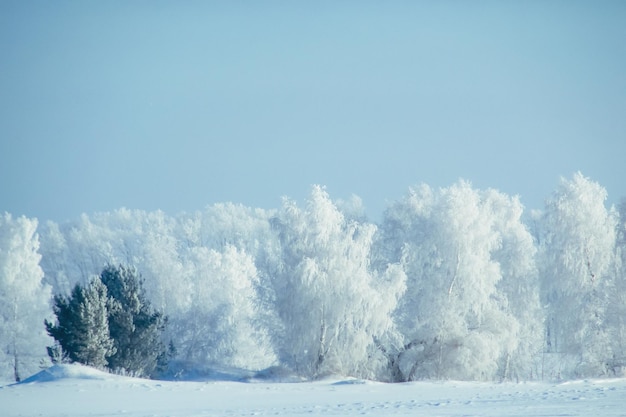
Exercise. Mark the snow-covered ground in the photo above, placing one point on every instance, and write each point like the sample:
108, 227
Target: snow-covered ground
74, 390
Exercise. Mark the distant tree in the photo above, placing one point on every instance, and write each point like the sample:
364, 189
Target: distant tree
82, 328
331, 306
183, 260
577, 258
56, 258
455, 316
220, 324
134, 326
518, 289
24, 299
616, 313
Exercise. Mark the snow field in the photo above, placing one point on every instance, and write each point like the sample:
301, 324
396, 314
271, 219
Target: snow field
73, 390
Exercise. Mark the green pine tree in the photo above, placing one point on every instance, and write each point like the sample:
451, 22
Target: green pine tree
111, 324
82, 328
135, 327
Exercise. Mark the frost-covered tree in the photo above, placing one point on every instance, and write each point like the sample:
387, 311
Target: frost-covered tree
82, 326
331, 306
456, 244
172, 253
220, 326
577, 252
24, 299
227, 224
109, 323
134, 326
75, 251
158, 255
56, 258
518, 288
616, 312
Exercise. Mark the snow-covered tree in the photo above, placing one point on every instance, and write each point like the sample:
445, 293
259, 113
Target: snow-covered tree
456, 244
226, 224
75, 251
158, 254
24, 299
172, 253
577, 255
134, 326
331, 306
56, 258
108, 323
82, 326
616, 314
518, 287
220, 326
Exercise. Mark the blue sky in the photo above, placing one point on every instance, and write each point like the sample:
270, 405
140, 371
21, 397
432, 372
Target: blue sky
178, 105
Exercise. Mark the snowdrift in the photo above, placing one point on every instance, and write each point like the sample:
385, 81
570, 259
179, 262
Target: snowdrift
80, 391
68, 371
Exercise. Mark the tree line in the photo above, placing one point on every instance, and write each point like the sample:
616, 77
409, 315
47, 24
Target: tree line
453, 283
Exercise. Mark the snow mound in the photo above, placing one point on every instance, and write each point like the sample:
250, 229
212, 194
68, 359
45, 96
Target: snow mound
67, 371
351, 381
277, 374
189, 371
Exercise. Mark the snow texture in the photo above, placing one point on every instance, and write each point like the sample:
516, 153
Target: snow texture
75, 390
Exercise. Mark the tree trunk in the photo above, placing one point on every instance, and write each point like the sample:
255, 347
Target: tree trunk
16, 371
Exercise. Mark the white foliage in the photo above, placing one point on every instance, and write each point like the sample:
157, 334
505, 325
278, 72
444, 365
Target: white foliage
519, 286
226, 224
24, 299
196, 287
219, 326
455, 314
576, 265
318, 287
616, 314
330, 304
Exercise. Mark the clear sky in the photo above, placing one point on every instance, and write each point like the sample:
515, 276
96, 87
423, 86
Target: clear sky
181, 104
